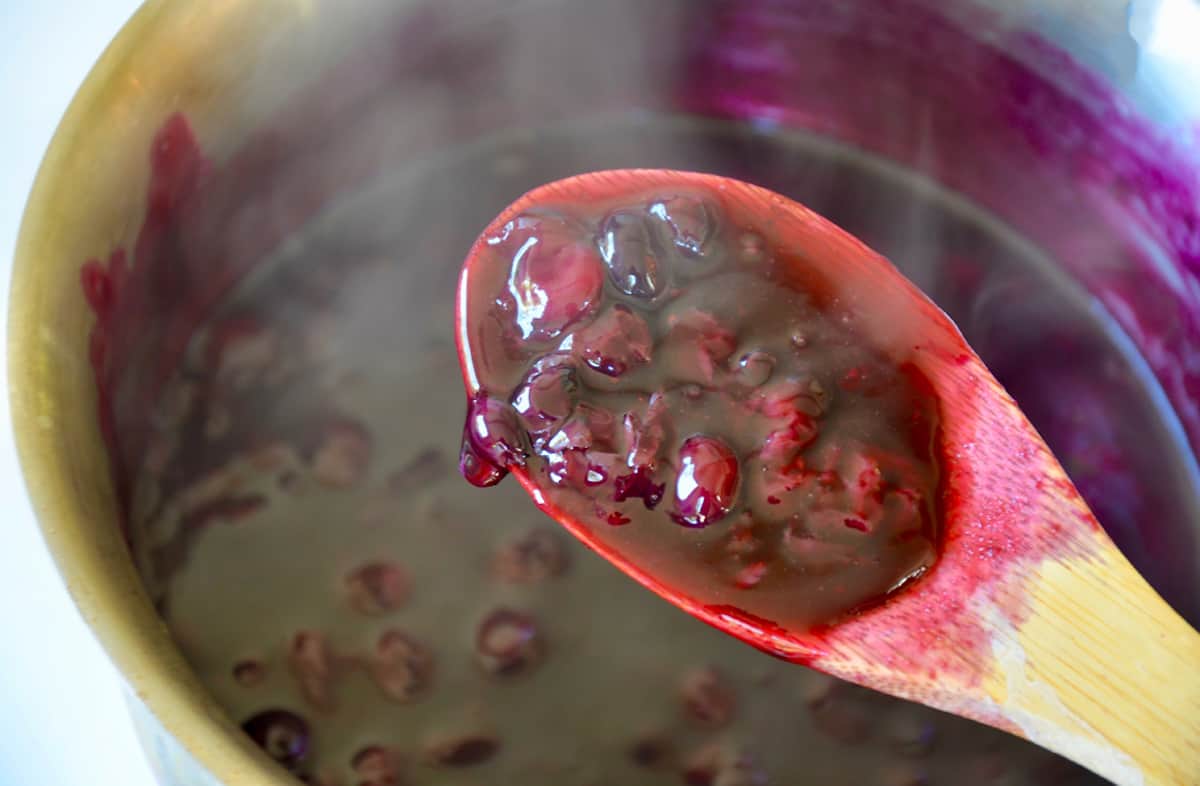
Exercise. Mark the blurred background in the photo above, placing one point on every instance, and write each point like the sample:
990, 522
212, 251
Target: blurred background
62, 716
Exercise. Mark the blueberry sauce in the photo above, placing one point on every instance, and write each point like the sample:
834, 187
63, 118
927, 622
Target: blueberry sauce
693, 391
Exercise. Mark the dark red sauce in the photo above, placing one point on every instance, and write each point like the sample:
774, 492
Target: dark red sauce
691, 389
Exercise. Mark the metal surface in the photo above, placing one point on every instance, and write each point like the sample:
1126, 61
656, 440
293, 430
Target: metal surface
180, 55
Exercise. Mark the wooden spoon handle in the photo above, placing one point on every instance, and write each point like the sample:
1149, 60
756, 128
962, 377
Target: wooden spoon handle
1103, 671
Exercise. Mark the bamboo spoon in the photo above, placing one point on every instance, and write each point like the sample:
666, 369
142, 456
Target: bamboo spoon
1031, 621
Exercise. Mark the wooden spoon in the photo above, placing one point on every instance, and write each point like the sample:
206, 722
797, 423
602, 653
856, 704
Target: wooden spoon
1031, 620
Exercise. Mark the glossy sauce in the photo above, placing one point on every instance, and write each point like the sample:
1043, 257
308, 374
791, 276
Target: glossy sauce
696, 394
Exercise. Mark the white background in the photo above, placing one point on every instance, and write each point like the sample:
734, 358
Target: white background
62, 717
63, 720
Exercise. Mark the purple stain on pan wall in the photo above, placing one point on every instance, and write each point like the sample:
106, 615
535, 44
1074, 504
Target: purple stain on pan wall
990, 126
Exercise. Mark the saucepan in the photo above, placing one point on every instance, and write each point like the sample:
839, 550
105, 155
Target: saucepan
235, 389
